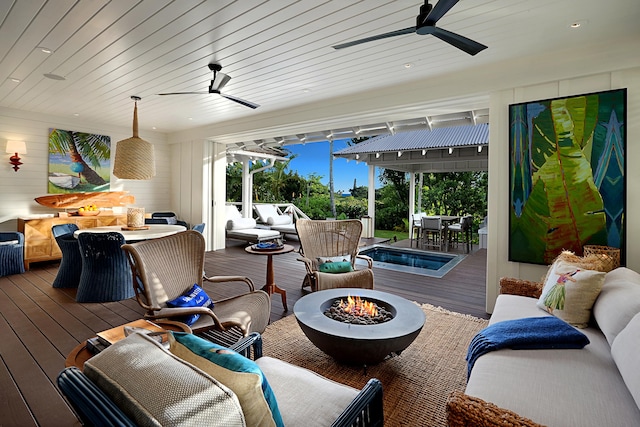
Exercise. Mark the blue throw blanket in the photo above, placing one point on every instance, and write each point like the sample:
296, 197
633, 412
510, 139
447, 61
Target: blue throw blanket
527, 333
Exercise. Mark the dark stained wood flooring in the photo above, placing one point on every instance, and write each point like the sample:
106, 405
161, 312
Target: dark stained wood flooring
40, 325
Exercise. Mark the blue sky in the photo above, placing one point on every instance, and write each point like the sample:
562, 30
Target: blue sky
313, 157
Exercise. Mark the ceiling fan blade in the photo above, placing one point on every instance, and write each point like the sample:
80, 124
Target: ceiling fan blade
470, 46
438, 11
240, 101
378, 37
220, 81
184, 93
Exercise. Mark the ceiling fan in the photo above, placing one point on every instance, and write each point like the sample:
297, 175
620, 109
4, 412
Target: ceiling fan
217, 83
426, 24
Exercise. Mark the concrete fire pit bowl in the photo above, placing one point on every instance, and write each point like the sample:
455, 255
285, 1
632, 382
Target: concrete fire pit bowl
359, 344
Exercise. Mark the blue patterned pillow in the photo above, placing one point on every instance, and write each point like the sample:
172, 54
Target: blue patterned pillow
335, 267
194, 297
230, 360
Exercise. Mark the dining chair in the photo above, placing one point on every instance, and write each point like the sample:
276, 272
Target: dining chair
170, 217
168, 267
71, 264
462, 231
106, 275
11, 253
160, 220
431, 232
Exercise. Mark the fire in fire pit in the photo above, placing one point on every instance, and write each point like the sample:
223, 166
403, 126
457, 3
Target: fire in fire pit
358, 311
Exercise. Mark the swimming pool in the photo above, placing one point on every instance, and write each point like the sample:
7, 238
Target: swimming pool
432, 264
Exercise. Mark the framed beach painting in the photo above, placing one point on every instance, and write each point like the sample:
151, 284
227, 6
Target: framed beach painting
78, 162
567, 175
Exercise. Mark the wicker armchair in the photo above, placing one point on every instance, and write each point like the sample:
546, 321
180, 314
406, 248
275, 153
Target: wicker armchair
321, 240
165, 268
71, 265
105, 272
11, 253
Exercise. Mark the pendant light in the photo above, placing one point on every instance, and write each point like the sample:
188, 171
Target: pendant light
135, 158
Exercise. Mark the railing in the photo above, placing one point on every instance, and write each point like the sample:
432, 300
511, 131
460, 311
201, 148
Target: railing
282, 208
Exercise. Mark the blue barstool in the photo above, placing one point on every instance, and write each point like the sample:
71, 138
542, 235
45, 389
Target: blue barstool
106, 275
11, 253
71, 265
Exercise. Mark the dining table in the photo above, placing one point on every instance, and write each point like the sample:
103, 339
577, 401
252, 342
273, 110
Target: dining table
151, 231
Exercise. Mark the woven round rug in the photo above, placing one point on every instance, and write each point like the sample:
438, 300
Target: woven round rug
416, 383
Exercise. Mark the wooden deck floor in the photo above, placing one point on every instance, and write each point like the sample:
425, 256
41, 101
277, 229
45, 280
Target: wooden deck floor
40, 325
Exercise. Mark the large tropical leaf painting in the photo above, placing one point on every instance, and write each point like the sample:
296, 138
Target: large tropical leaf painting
78, 162
567, 175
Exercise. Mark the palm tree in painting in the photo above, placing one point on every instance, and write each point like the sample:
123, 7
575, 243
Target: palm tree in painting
86, 151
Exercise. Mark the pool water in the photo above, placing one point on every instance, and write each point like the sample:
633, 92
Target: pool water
433, 264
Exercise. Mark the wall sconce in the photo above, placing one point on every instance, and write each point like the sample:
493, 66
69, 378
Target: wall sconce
15, 147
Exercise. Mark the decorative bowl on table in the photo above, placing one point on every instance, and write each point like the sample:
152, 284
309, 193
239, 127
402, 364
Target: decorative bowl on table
88, 213
267, 246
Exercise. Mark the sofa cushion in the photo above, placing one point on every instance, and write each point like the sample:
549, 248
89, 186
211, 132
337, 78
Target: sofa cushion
305, 398
154, 387
240, 374
570, 292
625, 353
618, 302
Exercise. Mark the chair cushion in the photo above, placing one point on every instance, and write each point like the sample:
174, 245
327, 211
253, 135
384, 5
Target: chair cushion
241, 223
154, 387
335, 267
305, 398
279, 220
235, 371
570, 292
194, 297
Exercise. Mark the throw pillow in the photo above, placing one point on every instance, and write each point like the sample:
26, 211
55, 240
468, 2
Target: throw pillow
570, 292
335, 267
194, 297
279, 220
341, 258
241, 223
236, 372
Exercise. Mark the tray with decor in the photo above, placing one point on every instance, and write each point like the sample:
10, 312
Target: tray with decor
267, 246
127, 228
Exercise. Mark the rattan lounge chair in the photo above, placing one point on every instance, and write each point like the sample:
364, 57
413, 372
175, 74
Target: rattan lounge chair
245, 229
332, 241
166, 268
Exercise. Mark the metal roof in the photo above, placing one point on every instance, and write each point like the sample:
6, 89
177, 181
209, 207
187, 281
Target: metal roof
439, 138
443, 149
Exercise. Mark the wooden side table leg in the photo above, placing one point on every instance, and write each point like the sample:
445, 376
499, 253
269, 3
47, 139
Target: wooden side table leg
271, 286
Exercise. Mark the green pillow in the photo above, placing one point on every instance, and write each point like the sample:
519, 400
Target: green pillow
235, 371
335, 267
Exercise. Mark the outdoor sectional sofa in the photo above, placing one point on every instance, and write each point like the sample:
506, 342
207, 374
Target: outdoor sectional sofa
598, 385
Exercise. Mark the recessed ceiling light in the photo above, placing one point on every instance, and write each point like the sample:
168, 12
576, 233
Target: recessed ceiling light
13, 79
408, 65
305, 90
153, 127
578, 24
76, 114
45, 49
53, 76
190, 118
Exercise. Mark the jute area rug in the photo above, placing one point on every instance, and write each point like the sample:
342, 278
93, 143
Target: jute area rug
415, 384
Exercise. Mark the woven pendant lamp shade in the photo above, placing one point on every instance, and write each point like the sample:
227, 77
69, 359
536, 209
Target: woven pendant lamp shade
135, 158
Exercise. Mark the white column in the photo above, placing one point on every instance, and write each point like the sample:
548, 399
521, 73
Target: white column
412, 202
247, 188
371, 198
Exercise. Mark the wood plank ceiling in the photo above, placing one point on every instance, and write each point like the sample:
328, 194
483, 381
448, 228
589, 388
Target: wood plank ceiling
279, 53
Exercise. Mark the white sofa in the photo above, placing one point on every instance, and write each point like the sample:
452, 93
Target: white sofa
598, 385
